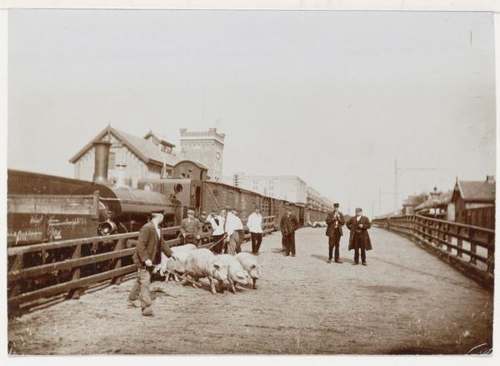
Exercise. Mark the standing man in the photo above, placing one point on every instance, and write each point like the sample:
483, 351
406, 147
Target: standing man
191, 228
359, 240
254, 224
288, 225
146, 255
335, 221
233, 226
217, 223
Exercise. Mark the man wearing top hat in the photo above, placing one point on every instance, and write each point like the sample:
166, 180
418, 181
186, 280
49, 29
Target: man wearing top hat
191, 228
335, 221
359, 240
146, 256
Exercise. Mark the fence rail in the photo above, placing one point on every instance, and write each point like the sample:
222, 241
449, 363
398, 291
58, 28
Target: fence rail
59, 265
471, 249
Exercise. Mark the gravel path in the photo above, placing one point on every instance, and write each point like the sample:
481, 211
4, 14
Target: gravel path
404, 301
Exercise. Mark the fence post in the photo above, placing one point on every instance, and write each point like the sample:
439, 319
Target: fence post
491, 253
119, 245
17, 264
75, 293
460, 243
448, 237
472, 246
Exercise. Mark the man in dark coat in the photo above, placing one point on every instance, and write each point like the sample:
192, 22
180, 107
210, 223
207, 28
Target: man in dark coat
146, 255
335, 221
191, 229
359, 240
288, 225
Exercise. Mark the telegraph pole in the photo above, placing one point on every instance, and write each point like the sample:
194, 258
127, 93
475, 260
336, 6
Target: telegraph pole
396, 185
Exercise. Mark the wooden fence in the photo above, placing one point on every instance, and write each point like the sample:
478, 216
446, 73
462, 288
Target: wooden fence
471, 249
105, 258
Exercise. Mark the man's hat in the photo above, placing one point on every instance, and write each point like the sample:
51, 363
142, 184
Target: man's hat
190, 211
336, 204
359, 210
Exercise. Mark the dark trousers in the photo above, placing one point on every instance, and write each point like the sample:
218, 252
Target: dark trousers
256, 241
357, 248
289, 241
334, 241
217, 248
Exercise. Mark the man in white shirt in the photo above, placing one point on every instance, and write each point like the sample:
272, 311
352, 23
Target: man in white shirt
217, 223
254, 224
233, 226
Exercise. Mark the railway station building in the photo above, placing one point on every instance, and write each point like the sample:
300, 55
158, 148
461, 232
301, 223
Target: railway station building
132, 158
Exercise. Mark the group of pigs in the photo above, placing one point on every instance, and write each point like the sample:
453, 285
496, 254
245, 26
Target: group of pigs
192, 264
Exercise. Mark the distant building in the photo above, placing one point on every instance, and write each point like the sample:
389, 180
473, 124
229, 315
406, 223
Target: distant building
205, 147
315, 200
285, 187
411, 203
474, 202
437, 205
130, 158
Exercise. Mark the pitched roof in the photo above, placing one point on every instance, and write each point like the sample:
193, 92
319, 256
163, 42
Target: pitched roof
144, 149
482, 191
432, 202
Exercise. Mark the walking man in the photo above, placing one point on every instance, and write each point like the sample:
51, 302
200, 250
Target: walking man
217, 223
254, 224
191, 228
359, 240
335, 221
288, 225
146, 255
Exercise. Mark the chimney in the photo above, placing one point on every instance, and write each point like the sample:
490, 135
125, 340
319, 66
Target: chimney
101, 149
490, 179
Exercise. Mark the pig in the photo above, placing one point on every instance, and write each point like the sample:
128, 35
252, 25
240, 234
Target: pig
203, 263
249, 263
236, 274
175, 264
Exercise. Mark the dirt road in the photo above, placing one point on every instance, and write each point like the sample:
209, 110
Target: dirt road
404, 301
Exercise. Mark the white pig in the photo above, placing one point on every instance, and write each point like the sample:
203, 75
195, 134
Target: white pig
175, 264
249, 263
203, 263
235, 272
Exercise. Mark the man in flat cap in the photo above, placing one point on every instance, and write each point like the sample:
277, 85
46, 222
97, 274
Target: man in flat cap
359, 240
146, 256
335, 221
191, 228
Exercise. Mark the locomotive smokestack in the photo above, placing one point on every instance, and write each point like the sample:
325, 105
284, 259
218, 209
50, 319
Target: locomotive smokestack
101, 161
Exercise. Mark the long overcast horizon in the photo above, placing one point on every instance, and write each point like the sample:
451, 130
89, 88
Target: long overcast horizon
333, 97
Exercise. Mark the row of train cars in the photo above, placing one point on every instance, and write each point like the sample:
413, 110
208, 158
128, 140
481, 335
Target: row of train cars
44, 208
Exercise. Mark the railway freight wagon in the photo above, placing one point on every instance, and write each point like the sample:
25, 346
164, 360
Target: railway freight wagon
314, 215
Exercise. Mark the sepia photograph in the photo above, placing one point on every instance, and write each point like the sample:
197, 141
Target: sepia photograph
249, 181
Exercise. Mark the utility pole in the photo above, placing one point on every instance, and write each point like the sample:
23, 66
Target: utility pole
396, 185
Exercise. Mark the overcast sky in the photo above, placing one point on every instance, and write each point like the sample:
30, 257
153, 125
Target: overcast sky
333, 97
